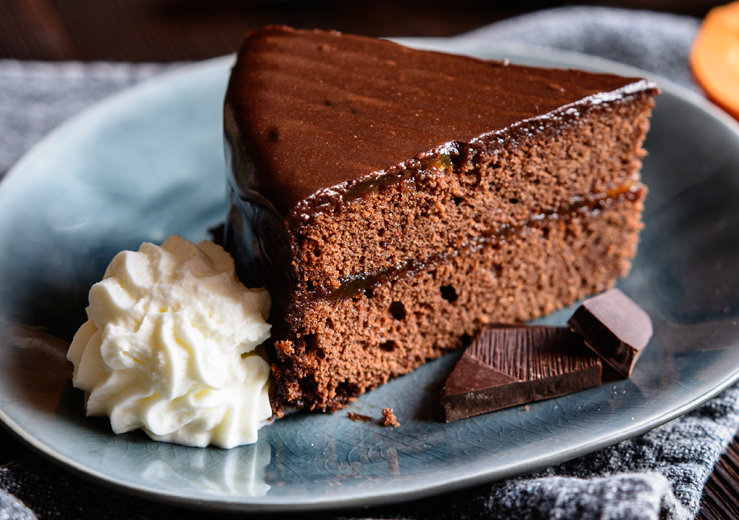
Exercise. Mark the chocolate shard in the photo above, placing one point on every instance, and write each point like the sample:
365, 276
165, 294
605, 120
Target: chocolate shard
509, 366
615, 327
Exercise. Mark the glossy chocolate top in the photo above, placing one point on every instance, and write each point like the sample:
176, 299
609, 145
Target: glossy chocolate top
309, 114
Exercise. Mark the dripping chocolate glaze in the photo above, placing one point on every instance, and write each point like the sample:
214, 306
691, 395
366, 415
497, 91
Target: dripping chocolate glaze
313, 118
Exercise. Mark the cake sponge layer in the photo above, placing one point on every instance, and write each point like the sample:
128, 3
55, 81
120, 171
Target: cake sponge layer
470, 190
342, 347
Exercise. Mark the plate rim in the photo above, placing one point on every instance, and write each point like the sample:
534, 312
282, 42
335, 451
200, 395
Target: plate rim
240, 503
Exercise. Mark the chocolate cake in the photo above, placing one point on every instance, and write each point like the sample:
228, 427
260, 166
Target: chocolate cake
394, 201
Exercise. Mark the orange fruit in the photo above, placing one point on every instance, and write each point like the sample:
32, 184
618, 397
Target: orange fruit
714, 58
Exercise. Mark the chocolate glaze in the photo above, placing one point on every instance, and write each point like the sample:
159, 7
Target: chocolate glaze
615, 327
515, 365
310, 115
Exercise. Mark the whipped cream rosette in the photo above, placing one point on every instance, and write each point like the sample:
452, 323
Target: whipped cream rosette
170, 346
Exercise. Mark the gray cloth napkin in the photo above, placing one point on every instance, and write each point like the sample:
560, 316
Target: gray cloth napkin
657, 475
657, 42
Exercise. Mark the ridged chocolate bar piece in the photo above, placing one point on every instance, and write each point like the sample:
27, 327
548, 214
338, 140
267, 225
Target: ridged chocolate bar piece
615, 327
516, 365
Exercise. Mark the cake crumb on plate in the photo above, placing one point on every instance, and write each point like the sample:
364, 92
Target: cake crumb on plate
388, 418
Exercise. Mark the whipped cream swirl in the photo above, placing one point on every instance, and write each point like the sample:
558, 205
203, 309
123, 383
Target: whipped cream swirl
170, 346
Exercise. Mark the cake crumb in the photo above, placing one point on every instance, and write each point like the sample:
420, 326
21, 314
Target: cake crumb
388, 418
358, 417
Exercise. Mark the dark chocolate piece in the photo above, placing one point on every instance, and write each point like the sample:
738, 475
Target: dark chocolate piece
615, 327
510, 366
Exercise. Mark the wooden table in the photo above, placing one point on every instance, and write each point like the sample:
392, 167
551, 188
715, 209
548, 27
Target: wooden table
175, 30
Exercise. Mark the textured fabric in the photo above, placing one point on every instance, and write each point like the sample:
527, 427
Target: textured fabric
13, 509
37, 97
656, 42
658, 475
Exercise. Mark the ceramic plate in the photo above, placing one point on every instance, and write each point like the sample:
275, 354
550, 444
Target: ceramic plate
149, 162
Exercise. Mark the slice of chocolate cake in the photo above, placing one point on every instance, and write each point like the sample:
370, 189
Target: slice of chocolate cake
394, 201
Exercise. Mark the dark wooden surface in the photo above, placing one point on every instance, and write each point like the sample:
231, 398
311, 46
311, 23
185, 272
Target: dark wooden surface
173, 30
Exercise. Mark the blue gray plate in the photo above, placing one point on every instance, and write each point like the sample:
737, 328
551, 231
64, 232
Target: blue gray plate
148, 163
